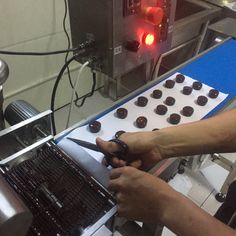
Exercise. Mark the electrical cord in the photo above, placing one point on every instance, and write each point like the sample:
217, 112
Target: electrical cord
74, 91
154, 69
82, 97
67, 54
38, 53
91, 92
53, 96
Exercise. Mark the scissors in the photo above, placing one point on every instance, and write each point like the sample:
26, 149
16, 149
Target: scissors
107, 156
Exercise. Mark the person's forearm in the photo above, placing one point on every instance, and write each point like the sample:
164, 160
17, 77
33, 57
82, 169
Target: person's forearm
184, 218
217, 134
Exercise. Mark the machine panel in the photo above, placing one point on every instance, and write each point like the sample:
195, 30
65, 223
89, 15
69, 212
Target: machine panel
127, 33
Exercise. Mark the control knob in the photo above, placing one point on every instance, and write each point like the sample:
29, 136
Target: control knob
132, 45
153, 14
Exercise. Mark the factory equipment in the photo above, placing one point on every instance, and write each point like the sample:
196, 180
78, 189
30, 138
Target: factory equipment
4, 73
128, 33
63, 197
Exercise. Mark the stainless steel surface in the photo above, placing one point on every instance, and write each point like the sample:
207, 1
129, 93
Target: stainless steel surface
19, 154
63, 197
103, 231
15, 217
106, 22
190, 16
20, 136
220, 3
4, 71
225, 27
36, 158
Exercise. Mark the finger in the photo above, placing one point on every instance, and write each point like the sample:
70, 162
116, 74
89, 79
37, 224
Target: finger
114, 185
119, 197
136, 163
115, 173
117, 162
109, 147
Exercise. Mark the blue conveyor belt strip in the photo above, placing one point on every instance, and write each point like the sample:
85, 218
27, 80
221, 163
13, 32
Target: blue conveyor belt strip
217, 68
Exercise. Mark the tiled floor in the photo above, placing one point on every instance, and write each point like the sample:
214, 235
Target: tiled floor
192, 183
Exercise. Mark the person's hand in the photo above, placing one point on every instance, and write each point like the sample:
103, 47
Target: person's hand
140, 196
143, 152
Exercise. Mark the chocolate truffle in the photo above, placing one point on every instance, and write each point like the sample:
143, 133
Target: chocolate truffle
213, 93
141, 121
174, 118
121, 113
197, 85
179, 78
142, 101
187, 90
161, 109
169, 83
95, 126
202, 100
157, 93
170, 101
187, 111
119, 133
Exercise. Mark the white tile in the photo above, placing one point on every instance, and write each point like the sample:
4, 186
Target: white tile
116, 233
216, 175
201, 189
230, 156
211, 205
167, 232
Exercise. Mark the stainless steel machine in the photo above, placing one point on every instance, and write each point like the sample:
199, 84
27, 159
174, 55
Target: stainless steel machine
4, 73
127, 33
43, 190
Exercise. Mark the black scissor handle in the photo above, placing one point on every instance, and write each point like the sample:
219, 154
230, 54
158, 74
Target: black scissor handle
124, 149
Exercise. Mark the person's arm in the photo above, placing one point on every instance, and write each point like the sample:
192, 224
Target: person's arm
213, 135
143, 197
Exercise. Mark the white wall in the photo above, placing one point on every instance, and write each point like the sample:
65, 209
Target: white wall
36, 25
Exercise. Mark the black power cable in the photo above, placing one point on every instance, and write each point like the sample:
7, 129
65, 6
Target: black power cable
67, 54
55, 90
38, 53
89, 94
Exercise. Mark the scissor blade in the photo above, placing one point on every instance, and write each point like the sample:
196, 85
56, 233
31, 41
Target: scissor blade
85, 144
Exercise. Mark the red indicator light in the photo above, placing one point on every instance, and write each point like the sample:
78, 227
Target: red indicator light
148, 39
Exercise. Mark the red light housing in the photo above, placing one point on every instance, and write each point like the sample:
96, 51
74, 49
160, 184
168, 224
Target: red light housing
148, 39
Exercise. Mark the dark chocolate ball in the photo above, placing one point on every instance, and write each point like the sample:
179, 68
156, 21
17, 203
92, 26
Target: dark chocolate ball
142, 101
213, 93
202, 100
174, 118
141, 121
94, 126
187, 90
197, 85
179, 78
170, 101
157, 93
169, 83
119, 133
187, 111
161, 109
122, 113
